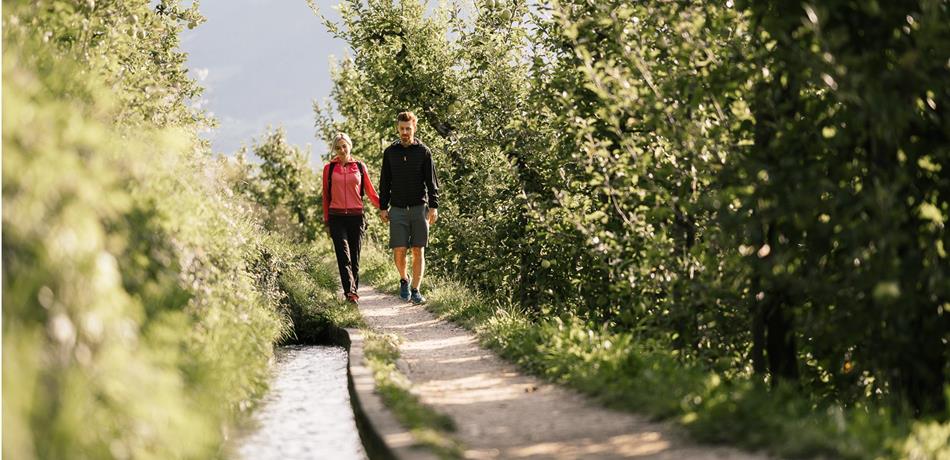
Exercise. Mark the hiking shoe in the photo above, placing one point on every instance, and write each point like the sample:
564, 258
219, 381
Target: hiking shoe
404, 289
353, 299
417, 297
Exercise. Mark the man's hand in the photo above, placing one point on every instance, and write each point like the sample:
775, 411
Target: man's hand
384, 215
433, 216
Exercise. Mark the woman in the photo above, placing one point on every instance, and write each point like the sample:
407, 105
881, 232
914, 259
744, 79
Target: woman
345, 182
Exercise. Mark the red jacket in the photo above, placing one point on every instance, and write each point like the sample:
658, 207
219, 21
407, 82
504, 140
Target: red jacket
345, 197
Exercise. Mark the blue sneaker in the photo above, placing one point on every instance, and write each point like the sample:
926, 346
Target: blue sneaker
404, 289
417, 297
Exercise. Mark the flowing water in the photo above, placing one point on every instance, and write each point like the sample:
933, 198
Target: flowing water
307, 413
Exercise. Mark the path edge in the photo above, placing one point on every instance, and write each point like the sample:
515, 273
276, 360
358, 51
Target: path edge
383, 437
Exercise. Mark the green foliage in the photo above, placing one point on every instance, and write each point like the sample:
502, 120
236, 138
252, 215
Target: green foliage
141, 302
130, 46
301, 281
928, 440
755, 189
283, 185
72, 335
131, 328
840, 193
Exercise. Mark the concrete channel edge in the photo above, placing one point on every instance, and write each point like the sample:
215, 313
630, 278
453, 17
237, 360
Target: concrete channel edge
382, 436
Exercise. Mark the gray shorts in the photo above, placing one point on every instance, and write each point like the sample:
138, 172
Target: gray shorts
408, 227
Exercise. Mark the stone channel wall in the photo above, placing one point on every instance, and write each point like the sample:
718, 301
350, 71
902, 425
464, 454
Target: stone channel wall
382, 436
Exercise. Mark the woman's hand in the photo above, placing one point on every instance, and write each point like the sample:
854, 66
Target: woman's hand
384, 215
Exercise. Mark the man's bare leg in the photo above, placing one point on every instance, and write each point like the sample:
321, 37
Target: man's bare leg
418, 266
399, 256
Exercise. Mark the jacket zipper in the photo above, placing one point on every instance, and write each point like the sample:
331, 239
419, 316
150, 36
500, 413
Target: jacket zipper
346, 209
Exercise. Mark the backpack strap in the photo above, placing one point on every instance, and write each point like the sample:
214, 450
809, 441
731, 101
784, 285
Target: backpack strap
330, 181
362, 178
360, 165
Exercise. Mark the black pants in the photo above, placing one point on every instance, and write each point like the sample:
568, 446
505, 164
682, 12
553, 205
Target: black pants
347, 235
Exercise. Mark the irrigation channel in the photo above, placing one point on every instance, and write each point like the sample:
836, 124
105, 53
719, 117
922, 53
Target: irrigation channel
307, 412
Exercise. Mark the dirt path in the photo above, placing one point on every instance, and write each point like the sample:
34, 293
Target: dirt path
502, 413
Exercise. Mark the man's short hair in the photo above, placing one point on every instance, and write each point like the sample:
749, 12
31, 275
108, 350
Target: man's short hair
407, 116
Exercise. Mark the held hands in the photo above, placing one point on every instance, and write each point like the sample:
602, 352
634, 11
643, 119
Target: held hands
384, 215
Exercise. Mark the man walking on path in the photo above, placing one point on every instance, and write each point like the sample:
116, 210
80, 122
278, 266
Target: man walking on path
409, 201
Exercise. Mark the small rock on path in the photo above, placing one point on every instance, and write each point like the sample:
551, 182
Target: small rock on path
500, 412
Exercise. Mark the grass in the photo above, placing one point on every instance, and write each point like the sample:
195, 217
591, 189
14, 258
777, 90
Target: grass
307, 289
376, 268
624, 372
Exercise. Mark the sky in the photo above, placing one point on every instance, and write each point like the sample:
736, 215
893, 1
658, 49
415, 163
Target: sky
262, 62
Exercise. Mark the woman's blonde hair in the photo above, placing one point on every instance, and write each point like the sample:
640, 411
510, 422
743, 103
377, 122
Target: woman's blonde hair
345, 137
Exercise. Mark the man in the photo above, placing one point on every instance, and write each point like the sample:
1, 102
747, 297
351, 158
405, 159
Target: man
409, 201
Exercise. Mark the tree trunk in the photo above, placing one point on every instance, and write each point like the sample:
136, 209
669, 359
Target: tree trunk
758, 330
780, 342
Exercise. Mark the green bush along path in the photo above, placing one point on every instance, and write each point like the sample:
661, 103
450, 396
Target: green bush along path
731, 214
145, 282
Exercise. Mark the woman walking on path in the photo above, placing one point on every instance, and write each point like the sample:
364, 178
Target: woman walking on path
345, 183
